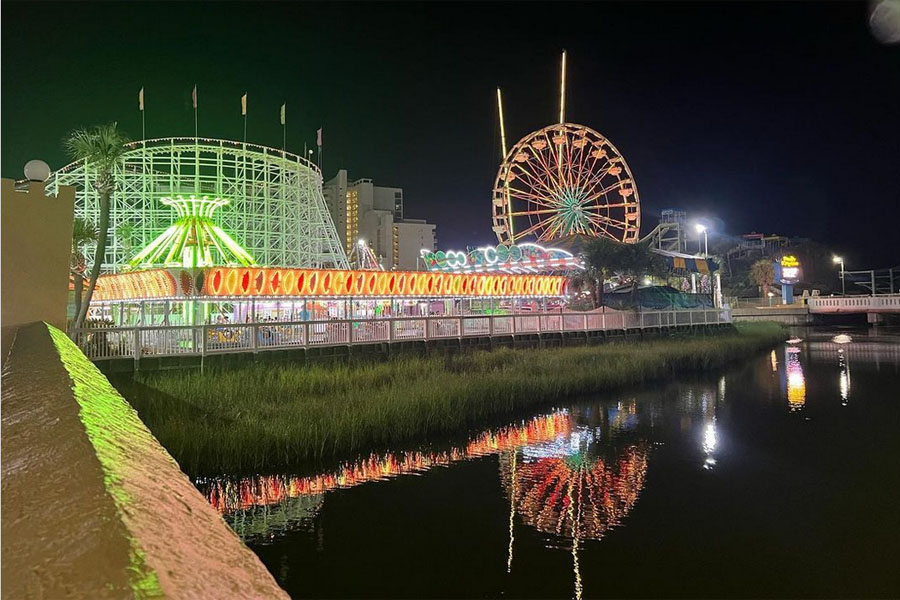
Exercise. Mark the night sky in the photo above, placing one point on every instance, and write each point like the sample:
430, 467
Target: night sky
773, 117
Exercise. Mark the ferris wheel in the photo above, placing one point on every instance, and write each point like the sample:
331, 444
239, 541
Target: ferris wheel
562, 180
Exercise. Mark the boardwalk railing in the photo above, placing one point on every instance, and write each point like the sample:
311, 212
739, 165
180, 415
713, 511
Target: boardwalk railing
204, 340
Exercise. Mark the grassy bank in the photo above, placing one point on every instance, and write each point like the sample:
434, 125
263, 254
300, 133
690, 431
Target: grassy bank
264, 417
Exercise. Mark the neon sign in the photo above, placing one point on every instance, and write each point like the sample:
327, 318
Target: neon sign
787, 270
512, 258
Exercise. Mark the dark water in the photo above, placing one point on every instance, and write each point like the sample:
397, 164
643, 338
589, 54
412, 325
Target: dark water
780, 477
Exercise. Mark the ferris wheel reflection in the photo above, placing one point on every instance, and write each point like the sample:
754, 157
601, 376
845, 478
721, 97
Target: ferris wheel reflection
581, 484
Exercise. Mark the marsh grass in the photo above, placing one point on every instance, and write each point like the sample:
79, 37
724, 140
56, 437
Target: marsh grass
269, 416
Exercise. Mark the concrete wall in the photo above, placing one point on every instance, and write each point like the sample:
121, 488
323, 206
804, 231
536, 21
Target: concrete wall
93, 506
36, 247
789, 315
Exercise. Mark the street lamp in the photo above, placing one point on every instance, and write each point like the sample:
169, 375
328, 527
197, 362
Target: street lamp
701, 228
836, 260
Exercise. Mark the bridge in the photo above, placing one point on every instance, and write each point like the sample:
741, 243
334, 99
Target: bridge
872, 306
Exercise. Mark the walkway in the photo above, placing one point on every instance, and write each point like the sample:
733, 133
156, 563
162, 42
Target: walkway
204, 340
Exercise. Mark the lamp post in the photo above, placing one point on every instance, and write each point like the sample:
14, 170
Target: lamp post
836, 260
701, 228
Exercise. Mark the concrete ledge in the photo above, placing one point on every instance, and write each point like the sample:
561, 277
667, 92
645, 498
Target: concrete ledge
93, 506
787, 314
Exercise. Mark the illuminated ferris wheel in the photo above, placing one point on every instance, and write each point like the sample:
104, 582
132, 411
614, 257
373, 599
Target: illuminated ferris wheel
562, 180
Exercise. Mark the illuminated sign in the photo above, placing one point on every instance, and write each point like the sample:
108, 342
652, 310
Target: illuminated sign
787, 270
519, 258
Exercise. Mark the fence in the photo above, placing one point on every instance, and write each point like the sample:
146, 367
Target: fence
855, 304
204, 340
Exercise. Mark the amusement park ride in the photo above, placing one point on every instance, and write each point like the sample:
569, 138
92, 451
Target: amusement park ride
362, 258
561, 183
213, 240
562, 180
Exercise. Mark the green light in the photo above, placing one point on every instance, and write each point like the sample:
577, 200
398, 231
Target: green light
572, 214
193, 240
122, 444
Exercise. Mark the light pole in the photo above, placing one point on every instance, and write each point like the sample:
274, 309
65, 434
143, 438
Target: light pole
836, 260
701, 228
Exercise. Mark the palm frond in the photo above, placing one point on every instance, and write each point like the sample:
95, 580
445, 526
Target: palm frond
103, 145
83, 232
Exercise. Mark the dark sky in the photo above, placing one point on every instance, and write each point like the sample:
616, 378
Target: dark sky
775, 117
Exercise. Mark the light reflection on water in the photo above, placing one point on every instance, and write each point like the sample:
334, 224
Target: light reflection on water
572, 473
254, 505
570, 478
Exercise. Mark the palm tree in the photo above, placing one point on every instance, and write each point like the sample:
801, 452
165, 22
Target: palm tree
125, 233
589, 279
102, 148
763, 273
83, 232
603, 257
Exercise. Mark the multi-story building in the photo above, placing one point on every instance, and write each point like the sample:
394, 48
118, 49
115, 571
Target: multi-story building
409, 237
364, 211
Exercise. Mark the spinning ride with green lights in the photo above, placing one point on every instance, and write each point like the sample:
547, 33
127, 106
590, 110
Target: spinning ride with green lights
193, 240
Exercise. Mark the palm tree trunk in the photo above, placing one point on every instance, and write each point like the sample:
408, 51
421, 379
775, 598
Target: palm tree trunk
99, 254
79, 291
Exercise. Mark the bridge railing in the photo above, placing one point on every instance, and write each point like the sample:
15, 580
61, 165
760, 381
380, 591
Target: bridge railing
204, 340
885, 303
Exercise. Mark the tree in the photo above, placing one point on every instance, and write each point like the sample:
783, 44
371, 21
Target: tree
589, 279
83, 232
604, 258
763, 273
101, 147
125, 232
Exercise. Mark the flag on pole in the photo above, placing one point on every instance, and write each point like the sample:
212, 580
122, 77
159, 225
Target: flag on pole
194, 96
282, 113
244, 105
319, 137
141, 100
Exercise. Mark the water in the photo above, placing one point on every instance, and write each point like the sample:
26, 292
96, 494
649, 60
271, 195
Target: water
780, 477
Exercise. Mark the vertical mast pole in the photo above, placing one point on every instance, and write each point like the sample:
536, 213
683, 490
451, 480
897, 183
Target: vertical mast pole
502, 127
562, 90
562, 113
509, 218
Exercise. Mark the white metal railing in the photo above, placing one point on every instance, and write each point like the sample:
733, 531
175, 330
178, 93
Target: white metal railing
181, 340
855, 304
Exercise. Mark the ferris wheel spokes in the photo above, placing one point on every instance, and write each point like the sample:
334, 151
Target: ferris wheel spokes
561, 180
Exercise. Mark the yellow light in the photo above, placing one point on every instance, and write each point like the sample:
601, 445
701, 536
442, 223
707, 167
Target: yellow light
502, 127
562, 91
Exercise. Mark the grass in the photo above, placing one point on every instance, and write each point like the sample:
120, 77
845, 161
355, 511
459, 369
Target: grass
261, 416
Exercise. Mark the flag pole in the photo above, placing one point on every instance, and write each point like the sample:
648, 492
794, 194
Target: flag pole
283, 127
194, 98
319, 144
196, 144
141, 108
244, 113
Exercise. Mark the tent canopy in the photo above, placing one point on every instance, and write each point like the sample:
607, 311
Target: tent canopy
656, 297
